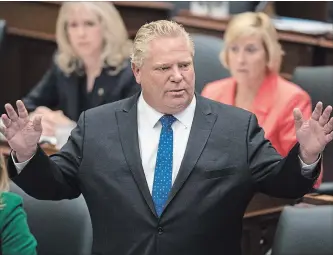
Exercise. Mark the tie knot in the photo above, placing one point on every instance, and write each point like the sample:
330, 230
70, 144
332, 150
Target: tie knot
167, 120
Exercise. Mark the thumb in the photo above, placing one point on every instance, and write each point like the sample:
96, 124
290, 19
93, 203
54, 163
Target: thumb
298, 117
37, 123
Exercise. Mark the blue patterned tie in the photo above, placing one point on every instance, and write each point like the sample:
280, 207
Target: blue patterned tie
163, 169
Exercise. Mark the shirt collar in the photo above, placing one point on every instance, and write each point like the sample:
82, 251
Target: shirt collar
152, 116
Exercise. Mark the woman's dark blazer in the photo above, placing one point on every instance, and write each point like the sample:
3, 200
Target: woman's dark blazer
58, 91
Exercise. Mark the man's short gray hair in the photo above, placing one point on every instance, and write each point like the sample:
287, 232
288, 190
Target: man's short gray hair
153, 30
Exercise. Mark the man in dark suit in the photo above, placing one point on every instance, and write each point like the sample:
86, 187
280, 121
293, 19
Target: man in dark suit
165, 171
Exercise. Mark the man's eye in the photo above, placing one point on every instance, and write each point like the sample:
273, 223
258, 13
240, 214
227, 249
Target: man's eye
163, 68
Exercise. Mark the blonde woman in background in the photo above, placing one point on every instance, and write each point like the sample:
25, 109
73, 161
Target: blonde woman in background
91, 66
253, 55
16, 238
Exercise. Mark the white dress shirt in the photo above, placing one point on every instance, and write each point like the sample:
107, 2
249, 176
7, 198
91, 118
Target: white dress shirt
149, 129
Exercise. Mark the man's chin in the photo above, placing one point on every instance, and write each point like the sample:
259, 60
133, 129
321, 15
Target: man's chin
178, 105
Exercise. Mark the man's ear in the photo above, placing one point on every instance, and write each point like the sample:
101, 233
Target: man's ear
137, 73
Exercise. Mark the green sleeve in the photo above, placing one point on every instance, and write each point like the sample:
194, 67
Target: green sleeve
16, 237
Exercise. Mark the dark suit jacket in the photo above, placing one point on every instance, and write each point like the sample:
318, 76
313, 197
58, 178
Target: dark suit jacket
226, 161
61, 92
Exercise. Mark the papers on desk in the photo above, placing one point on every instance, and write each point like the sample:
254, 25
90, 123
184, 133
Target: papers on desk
311, 27
213, 9
48, 139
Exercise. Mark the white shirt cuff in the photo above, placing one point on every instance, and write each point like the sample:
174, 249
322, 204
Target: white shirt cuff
19, 166
307, 170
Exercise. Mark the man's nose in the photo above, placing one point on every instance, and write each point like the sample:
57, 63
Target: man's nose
177, 75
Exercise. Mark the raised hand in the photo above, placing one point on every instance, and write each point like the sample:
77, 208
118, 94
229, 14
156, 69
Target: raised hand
21, 132
315, 133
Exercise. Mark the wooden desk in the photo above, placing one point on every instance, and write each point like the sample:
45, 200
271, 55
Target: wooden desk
315, 199
30, 41
259, 229
259, 226
300, 49
260, 222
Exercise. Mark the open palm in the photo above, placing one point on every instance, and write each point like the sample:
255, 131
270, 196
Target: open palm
314, 134
21, 132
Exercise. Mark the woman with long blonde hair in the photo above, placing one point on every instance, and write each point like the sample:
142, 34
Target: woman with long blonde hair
91, 66
15, 234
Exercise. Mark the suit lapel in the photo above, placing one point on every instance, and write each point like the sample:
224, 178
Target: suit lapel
202, 125
128, 130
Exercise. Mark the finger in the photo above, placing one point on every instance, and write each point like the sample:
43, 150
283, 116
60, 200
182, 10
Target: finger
329, 137
2, 130
5, 120
22, 111
37, 123
298, 118
317, 111
324, 118
11, 112
328, 128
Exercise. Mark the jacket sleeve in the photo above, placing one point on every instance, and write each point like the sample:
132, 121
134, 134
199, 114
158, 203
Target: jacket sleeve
272, 174
16, 236
54, 177
45, 92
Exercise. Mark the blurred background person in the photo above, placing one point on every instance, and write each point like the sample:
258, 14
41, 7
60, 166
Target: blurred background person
16, 238
91, 66
253, 55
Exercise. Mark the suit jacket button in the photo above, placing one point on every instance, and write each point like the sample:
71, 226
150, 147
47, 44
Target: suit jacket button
160, 230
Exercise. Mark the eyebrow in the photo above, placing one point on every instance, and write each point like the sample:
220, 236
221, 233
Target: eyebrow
185, 62
168, 64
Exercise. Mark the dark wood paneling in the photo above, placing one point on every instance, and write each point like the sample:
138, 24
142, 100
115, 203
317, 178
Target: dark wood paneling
23, 63
42, 16
314, 10
295, 55
136, 14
